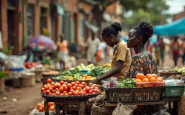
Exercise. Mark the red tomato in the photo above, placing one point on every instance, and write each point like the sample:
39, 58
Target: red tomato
84, 92
48, 92
98, 90
77, 82
61, 94
90, 84
61, 89
53, 91
79, 88
61, 82
69, 86
74, 87
96, 87
74, 93
73, 83
87, 89
82, 86
71, 90
65, 83
45, 86
80, 92
65, 88
70, 93
50, 88
57, 92
42, 89
49, 80
51, 94
83, 83
90, 92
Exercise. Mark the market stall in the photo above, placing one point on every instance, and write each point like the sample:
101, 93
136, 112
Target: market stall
64, 93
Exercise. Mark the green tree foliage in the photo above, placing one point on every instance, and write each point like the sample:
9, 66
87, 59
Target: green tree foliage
152, 11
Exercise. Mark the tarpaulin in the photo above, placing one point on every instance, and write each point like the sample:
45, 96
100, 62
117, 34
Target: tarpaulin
175, 28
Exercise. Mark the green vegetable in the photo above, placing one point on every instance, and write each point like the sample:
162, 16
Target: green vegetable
98, 71
127, 83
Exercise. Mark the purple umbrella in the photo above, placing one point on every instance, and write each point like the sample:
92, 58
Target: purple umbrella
41, 42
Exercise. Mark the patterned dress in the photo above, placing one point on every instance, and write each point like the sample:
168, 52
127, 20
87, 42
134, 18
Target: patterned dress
142, 63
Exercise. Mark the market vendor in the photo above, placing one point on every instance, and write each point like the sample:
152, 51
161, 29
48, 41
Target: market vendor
121, 54
143, 62
120, 62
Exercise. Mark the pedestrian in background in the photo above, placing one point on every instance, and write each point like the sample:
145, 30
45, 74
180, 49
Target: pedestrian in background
62, 51
92, 48
101, 51
175, 46
157, 53
160, 43
183, 51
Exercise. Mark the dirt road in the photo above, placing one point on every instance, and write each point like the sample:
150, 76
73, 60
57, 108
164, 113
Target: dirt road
26, 100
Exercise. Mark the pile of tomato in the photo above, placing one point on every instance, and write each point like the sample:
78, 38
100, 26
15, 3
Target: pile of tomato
40, 106
69, 89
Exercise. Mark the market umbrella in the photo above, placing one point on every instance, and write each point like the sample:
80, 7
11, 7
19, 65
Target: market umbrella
40, 43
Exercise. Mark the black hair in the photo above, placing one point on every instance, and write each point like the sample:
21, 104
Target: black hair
114, 29
144, 29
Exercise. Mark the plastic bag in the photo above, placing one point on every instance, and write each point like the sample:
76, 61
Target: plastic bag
174, 82
113, 82
3, 56
124, 109
162, 112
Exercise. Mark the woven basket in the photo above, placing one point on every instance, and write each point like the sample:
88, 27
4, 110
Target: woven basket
99, 109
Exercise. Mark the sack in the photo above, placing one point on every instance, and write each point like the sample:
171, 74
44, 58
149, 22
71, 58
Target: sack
123, 109
182, 106
99, 109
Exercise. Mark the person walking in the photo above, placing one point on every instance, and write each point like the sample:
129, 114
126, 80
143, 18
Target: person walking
92, 48
175, 45
62, 51
183, 51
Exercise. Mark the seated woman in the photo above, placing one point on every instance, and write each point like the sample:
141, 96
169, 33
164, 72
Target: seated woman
143, 62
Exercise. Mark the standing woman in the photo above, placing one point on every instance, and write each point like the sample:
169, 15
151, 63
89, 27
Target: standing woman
120, 61
143, 62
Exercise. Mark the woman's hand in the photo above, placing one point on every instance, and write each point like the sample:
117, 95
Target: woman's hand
96, 81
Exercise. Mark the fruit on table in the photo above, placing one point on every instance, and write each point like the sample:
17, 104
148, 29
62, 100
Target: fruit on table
40, 106
86, 77
67, 89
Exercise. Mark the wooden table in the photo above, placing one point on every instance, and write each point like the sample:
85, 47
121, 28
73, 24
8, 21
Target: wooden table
71, 100
174, 100
111, 106
80, 103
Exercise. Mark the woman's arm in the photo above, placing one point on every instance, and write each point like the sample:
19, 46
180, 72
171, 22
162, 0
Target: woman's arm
110, 73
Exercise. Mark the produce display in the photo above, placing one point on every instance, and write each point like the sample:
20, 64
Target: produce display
78, 72
30, 65
149, 80
178, 69
127, 83
51, 73
84, 68
69, 89
40, 106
